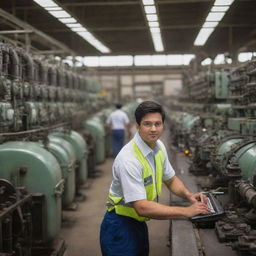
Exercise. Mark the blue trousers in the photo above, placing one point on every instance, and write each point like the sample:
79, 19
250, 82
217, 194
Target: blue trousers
123, 236
117, 140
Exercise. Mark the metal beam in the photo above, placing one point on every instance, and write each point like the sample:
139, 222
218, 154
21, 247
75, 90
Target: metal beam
4, 32
169, 27
41, 35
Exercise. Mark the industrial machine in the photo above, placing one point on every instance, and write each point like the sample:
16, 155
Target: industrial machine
45, 149
213, 123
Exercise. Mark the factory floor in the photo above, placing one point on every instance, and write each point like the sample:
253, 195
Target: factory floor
81, 227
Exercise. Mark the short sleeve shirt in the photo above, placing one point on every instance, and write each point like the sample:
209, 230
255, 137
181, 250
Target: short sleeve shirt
118, 119
127, 171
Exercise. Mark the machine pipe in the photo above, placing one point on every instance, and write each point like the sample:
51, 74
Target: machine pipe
247, 191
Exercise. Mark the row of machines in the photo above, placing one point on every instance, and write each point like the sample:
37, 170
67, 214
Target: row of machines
52, 135
214, 124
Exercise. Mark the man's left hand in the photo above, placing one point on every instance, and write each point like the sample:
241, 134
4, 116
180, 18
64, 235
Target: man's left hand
197, 197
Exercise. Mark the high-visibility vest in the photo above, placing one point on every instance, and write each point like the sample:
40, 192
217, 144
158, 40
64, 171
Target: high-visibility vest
153, 187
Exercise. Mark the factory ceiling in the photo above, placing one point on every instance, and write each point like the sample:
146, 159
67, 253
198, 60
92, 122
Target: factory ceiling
121, 25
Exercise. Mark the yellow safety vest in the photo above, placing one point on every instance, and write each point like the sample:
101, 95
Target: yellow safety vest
153, 189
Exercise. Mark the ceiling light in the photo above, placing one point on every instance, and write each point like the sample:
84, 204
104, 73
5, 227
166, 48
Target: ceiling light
67, 20
74, 25
46, 3
153, 24
210, 24
152, 17
215, 16
150, 9
53, 8
148, 2
60, 14
219, 8
80, 29
223, 2
157, 41
155, 30
203, 36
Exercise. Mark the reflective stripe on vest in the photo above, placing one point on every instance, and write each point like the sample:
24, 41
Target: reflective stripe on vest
153, 189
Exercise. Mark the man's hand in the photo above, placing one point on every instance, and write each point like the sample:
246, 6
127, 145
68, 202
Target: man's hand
197, 197
197, 208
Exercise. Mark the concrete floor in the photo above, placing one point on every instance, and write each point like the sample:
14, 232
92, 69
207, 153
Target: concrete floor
81, 227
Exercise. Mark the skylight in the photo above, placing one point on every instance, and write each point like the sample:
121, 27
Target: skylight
64, 17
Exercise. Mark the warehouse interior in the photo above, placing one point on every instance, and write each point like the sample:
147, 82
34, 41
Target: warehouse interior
123, 29
64, 64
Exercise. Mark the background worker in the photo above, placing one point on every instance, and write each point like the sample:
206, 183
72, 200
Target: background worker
119, 122
138, 172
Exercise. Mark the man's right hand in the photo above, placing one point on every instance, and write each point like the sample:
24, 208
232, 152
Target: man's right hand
197, 208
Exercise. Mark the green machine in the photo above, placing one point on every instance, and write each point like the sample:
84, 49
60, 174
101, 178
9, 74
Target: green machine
96, 128
80, 149
235, 157
64, 153
28, 164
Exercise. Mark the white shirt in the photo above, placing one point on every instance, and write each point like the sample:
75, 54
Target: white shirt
127, 171
118, 119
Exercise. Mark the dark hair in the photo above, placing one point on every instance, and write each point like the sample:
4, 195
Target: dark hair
148, 107
118, 105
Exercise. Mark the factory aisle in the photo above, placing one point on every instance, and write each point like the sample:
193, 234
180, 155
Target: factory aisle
81, 227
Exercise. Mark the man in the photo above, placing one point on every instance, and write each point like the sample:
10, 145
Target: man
138, 172
118, 121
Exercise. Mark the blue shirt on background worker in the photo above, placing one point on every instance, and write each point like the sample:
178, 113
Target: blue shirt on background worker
118, 122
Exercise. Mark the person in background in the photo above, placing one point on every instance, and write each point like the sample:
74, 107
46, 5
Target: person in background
139, 170
118, 121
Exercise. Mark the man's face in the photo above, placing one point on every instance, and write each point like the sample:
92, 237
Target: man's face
151, 128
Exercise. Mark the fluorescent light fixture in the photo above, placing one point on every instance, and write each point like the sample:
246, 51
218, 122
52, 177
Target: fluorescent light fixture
152, 17
215, 16
157, 41
60, 14
81, 29
223, 2
203, 36
155, 30
74, 25
71, 23
153, 24
150, 9
148, 2
86, 35
67, 20
210, 24
53, 8
46, 3
219, 8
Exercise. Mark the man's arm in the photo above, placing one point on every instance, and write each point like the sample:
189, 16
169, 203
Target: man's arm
176, 186
156, 210
159, 211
